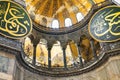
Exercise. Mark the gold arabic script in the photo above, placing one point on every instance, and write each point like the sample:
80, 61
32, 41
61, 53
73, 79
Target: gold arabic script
11, 21
113, 21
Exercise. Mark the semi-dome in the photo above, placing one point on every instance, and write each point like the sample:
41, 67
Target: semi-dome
60, 43
59, 13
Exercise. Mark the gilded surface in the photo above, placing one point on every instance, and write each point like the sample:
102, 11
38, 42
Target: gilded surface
105, 24
56, 9
14, 21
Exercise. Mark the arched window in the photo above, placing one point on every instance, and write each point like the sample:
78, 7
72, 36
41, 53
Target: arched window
68, 22
55, 24
79, 16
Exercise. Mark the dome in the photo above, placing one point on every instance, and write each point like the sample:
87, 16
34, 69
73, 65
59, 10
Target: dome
59, 13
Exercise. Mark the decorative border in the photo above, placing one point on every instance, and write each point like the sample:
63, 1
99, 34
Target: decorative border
92, 19
74, 27
46, 72
27, 15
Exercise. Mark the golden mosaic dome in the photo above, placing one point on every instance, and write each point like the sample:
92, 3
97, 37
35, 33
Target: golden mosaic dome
59, 13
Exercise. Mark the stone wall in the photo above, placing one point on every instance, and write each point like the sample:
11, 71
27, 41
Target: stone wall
108, 71
7, 66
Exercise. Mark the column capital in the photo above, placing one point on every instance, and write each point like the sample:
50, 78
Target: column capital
64, 45
78, 44
93, 48
34, 45
35, 42
49, 45
31, 37
91, 39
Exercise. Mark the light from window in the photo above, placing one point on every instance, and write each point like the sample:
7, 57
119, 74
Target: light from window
116, 2
55, 24
68, 22
79, 16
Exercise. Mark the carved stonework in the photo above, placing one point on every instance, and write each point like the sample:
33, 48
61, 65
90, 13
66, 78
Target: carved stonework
4, 64
10, 43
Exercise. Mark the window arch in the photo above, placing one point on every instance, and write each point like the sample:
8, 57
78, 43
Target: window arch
68, 22
55, 24
79, 16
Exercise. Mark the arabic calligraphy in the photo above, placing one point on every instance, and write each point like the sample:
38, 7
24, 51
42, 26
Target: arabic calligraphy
14, 21
105, 24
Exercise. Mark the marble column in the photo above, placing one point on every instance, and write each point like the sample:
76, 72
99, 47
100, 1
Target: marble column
64, 57
49, 57
34, 54
93, 49
79, 53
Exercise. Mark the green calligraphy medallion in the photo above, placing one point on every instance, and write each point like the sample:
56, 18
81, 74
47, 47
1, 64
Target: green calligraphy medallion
105, 24
15, 23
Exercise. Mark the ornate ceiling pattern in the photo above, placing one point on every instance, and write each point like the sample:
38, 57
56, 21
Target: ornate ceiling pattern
44, 12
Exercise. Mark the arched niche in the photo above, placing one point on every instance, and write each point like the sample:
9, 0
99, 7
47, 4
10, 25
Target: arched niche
42, 53
57, 55
28, 49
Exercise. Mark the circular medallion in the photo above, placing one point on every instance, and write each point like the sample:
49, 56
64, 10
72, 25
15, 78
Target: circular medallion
104, 26
15, 22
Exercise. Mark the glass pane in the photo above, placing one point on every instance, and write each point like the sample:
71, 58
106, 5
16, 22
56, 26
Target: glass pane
79, 16
68, 22
55, 24
116, 1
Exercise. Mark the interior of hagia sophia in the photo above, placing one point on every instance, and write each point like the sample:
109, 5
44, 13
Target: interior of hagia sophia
60, 45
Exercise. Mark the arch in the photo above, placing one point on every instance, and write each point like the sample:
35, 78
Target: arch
74, 51
98, 47
44, 21
55, 23
28, 49
43, 41
57, 55
42, 53
69, 55
68, 22
86, 51
79, 16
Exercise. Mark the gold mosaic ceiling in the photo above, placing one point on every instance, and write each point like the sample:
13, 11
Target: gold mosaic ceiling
44, 12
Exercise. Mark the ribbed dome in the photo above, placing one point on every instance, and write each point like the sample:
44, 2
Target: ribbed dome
59, 13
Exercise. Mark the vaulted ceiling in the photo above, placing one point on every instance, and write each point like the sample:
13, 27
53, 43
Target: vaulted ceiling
44, 12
